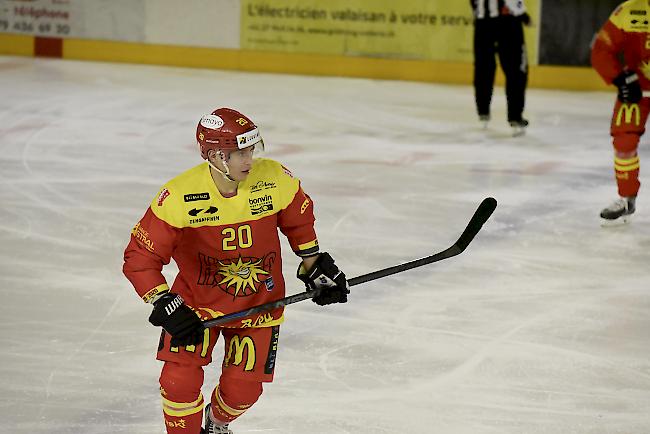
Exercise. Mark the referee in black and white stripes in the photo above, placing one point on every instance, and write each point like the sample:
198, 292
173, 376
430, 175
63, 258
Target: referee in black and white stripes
498, 29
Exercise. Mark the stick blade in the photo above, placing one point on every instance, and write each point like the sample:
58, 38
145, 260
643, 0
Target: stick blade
481, 215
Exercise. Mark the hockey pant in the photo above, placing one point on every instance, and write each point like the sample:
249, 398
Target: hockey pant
502, 36
249, 360
627, 127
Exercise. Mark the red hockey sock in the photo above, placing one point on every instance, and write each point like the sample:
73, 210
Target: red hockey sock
182, 402
627, 175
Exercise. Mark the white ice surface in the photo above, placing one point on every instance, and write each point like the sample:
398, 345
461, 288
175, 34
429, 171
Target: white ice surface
541, 326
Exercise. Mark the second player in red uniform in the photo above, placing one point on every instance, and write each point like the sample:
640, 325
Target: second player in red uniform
621, 55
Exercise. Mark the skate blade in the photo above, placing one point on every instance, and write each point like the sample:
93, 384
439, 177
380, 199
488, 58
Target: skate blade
621, 221
518, 132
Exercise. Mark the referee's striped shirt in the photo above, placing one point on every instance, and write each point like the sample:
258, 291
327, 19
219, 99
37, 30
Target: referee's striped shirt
494, 8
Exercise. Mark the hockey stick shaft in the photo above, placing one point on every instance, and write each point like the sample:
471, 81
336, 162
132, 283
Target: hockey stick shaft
481, 215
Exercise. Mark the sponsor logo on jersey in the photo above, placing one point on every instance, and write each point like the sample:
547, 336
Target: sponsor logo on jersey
304, 206
273, 350
625, 113
262, 185
236, 350
269, 283
164, 194
142, 237
196, 211
634, 22
260, 205
207, 215
193, 197
213, 218
257, 322
638, 12
638, 25
239, 277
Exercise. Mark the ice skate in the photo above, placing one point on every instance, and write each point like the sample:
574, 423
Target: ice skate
619, 212
518, 127
484, 120
211, 427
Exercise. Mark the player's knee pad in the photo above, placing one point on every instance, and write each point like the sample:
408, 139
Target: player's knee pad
181, 383
626, 143
238, 392
232, 397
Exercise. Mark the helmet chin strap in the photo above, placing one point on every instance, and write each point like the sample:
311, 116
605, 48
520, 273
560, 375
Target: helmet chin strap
225, 174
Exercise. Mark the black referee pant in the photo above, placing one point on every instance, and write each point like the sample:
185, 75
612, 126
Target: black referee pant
504, 36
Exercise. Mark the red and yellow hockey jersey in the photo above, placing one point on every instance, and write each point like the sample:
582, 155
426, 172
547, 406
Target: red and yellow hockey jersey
227, 248
625, 33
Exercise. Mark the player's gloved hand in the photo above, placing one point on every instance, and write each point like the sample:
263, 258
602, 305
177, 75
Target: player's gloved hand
171, 312
326, 276
629, 89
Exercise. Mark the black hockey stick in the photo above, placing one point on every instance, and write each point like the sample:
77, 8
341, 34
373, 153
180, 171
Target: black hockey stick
481, 215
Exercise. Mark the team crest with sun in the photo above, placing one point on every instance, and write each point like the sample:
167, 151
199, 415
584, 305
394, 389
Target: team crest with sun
240, 277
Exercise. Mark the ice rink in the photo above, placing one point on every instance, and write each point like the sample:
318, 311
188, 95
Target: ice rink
541, 326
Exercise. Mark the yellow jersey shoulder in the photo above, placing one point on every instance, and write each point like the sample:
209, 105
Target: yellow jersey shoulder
271, 176
631, 16
267, 174
191, 185
192, 200
265, 167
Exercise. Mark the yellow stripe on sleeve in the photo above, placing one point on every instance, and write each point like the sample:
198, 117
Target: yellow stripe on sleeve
153, 293
309, 248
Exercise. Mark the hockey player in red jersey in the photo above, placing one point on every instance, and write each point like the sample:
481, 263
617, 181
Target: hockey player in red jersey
219, 222
621, 55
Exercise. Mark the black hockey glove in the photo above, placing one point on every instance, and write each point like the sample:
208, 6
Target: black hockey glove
326, 276
171, 312
629, 89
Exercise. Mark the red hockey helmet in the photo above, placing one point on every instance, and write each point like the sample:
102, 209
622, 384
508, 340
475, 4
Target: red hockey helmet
228, 130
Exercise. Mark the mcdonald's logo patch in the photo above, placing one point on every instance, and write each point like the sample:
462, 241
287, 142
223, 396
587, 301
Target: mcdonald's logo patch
236, 350
626, 112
